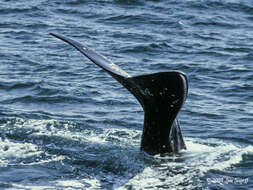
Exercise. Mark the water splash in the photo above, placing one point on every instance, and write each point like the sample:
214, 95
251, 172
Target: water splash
188, 170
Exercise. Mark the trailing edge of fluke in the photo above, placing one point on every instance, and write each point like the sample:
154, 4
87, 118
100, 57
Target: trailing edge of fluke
161, 95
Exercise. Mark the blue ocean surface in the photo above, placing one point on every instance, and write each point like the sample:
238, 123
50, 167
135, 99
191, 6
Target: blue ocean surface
66, 124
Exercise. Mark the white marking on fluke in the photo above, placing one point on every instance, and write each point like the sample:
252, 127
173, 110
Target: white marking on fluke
118, 69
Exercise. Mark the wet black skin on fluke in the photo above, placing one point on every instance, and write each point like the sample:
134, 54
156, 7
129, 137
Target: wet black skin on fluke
161, 95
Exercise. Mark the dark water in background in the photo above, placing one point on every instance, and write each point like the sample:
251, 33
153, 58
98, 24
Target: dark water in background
65, 124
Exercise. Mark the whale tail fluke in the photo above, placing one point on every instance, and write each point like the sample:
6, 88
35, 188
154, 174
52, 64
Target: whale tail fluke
161, 95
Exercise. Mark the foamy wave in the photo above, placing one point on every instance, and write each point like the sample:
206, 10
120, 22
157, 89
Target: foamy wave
187, 169
12, 151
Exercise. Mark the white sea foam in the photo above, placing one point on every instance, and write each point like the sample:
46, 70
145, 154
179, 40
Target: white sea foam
11, 151
188, 168
129, 168
62, 184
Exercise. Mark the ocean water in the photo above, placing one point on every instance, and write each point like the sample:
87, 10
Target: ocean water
65, 124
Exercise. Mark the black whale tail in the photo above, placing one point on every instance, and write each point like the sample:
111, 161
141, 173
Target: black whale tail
161, 95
